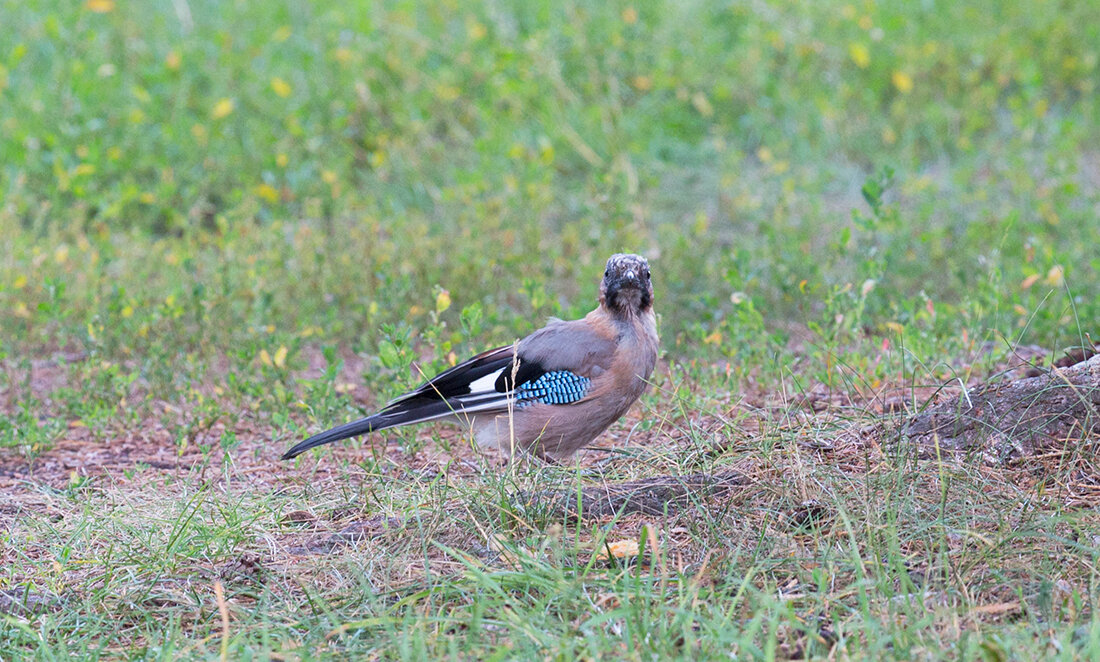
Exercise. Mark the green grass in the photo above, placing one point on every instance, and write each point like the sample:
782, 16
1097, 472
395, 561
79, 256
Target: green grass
227, 224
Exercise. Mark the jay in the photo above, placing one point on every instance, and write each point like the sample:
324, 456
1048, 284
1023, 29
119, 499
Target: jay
548, 394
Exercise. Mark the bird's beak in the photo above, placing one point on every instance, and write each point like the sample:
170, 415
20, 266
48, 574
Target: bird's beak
628, 278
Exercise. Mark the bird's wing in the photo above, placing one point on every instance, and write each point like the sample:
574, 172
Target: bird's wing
468, 386
579, 346
553, 365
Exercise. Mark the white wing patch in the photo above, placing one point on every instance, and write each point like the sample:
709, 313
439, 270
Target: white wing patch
486, 383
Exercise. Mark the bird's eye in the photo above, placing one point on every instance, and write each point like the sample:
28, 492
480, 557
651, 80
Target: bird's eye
647, 274
606, 273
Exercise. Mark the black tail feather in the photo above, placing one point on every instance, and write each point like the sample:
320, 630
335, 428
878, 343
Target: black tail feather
353, 429
404, 412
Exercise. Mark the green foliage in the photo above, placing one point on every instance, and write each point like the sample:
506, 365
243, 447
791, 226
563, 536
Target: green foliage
205, 176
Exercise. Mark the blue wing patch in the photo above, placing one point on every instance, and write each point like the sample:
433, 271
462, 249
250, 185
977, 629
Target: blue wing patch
560, 387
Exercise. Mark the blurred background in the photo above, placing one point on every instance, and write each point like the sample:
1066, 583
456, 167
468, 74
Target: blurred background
197, 188
226, 225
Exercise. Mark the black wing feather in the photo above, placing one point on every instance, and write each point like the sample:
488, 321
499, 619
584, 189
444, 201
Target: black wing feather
456, 381
528, 371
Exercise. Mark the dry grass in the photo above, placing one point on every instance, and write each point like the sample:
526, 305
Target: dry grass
839, 542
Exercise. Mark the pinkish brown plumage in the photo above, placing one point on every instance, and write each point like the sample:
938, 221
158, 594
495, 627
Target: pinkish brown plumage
552, 392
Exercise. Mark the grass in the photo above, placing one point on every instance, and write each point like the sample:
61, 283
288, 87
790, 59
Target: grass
226, 225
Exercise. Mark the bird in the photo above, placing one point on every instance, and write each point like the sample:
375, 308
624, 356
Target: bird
550, 393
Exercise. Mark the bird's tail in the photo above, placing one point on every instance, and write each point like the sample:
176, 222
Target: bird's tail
401, 412
353, 429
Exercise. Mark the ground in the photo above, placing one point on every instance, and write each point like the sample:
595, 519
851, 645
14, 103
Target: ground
230, 225
828, 536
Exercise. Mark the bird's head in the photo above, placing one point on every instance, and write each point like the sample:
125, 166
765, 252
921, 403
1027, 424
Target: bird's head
626, 286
